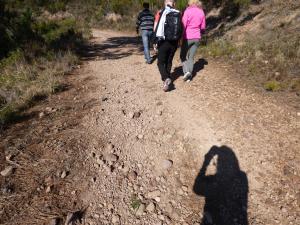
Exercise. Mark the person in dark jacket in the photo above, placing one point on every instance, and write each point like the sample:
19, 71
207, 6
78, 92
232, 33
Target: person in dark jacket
145, 22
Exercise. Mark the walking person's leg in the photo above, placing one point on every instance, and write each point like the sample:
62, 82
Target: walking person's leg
150, 33
162, 60
183, 55
146, 45
193, 46
173, 48
191, 55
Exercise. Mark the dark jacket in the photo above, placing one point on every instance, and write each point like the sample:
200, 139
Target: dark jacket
145, 20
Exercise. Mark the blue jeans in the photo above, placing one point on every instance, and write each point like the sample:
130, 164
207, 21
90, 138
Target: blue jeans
146, 36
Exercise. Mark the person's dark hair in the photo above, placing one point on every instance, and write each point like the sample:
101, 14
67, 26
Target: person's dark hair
146, 5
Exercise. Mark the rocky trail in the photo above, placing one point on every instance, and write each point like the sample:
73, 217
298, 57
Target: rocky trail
113, 148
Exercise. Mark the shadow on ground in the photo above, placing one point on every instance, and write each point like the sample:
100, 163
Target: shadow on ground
198, 66
113, 48
226, 191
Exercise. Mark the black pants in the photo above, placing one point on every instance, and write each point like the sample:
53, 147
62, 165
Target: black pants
166, 52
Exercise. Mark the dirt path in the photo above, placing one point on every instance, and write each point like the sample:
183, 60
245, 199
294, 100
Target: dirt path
132, 154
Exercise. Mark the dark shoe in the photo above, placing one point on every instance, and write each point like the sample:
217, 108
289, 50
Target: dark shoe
150, 61
167, 83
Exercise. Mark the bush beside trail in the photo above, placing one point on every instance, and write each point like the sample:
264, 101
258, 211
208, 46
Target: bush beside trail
36, 50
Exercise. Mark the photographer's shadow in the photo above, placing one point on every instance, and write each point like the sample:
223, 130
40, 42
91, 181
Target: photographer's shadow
225, 192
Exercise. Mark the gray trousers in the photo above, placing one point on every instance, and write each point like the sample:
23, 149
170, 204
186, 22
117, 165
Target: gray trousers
187, 54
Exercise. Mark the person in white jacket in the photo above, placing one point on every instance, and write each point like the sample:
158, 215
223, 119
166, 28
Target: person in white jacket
166, 48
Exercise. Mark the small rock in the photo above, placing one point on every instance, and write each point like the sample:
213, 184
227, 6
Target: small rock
180, 192
104, 99
136, 115
49, 180
185, 188
140, 136
110, 206
168, 220
131, 115
161, 217
150, 207
115, 219
64, 174
109, 147
41, 115
125, 169
167, 164
49, 109
100, 162
96, 216
157, 199
174, 215
298, 114
9, 157
132, 175
141, 210
94, 179
7, 171
153, 194
110, 158
49, 189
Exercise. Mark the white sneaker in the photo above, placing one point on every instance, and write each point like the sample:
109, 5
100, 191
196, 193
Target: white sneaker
187, 76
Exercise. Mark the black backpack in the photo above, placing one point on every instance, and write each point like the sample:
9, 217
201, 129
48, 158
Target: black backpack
173, 26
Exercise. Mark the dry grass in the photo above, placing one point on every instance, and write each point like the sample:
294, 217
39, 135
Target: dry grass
21, 82
269, 61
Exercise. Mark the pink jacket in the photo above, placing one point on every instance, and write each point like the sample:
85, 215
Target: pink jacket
193, 22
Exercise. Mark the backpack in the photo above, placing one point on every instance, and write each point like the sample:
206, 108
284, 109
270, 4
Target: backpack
173, 26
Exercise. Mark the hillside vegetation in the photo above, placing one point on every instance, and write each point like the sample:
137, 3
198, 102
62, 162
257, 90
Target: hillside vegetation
36, 49
263, 42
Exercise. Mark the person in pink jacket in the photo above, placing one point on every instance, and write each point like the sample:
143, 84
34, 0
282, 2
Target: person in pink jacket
194, 24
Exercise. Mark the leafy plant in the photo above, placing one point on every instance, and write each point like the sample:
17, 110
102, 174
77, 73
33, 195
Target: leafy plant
135, 202
272, 85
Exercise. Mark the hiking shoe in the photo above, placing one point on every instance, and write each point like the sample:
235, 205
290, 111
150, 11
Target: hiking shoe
187, 76
166, 85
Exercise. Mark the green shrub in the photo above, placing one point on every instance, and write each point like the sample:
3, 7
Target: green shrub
56, 6
7, 113
53, 31
272, 85
135, 203
243, 3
